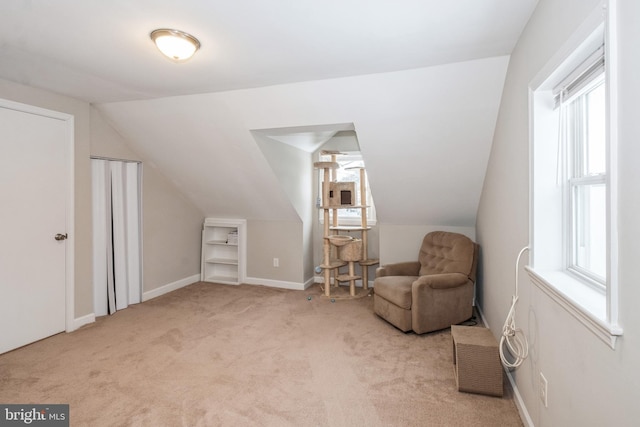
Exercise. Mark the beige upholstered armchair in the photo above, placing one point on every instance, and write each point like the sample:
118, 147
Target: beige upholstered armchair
432, 293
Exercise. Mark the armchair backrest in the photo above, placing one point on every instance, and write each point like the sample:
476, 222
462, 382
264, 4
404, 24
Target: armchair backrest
446, 252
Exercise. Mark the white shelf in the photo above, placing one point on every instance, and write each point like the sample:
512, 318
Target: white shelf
222, 279
220, 242
223, 262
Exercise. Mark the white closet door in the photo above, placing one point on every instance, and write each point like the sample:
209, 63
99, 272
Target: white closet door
134, 243
102, 260
117, 242
119, 220
33, 185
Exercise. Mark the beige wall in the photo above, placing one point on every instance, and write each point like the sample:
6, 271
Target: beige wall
275, 239
82, 212
171, 223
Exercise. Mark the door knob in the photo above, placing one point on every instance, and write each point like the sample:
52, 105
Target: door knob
61, 236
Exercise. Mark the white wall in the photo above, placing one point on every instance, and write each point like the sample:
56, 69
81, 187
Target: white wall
589, 383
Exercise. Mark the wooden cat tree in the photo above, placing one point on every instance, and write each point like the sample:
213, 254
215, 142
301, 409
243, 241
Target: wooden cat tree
340, 250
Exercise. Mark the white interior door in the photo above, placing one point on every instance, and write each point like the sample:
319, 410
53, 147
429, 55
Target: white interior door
33, 193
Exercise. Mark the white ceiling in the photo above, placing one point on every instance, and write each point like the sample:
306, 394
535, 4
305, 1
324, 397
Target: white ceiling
100, 51
420, 81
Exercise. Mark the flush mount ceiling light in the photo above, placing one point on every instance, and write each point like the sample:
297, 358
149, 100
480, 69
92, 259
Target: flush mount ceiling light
175, 44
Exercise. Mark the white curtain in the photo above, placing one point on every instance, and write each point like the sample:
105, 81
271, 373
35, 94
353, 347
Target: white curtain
117, 273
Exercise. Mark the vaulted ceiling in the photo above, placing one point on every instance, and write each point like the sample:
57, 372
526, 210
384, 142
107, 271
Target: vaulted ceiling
419, 80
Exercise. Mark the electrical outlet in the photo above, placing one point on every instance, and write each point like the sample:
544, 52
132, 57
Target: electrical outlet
543, 389
276, 262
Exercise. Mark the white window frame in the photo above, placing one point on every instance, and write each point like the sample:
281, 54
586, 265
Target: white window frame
594, 307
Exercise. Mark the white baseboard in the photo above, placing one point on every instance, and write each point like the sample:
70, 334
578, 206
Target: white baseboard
308, 283
153, 293
484, 321
522, 409
91, 317
297, 286
81, 321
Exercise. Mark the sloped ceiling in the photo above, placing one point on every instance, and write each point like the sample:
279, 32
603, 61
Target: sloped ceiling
305, 138
419, 80
425, 136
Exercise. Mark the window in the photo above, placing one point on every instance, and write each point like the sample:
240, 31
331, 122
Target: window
349, 171
573, 187
586, 184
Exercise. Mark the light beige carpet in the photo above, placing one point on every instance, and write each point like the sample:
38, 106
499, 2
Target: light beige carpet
216, 355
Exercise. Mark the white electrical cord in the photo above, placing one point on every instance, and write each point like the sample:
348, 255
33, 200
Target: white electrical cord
513, 338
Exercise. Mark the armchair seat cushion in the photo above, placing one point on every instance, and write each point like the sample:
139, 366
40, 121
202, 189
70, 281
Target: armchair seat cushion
395, 289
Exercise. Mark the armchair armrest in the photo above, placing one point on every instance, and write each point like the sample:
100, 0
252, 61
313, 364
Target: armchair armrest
440, 300
409, 268
441, 281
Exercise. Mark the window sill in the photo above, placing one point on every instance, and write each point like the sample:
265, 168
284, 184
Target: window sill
588, 306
